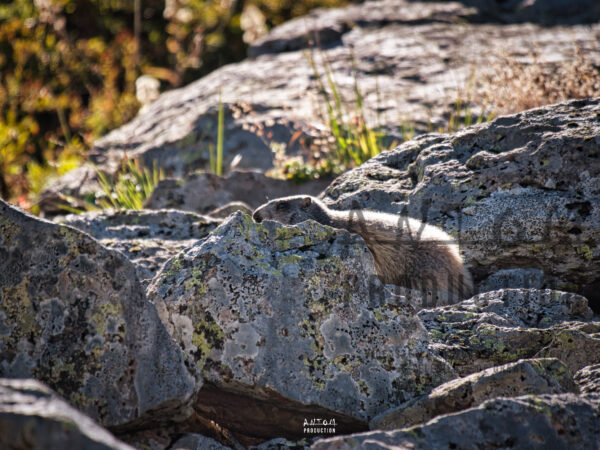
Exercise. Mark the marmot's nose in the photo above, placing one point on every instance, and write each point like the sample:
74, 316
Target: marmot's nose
257, 217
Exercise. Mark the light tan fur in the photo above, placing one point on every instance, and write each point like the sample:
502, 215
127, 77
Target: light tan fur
406, 251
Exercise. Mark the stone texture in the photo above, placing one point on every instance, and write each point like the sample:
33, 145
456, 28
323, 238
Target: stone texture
73, 315
504, 326
413, 60
34, 417
538, 422
194, 441
527, 376
147, 238
588, 380
204, 192
289, 322
519, 192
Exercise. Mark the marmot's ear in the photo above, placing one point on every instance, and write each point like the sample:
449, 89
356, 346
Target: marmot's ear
306, 201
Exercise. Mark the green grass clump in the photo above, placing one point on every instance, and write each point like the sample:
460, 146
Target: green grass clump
132, 186
216, 161
354, 141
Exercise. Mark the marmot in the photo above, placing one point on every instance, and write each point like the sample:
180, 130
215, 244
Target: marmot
406, 251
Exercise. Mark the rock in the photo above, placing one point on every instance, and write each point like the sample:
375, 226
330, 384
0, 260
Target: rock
73, 315
588, 380
502, 279
194, 441
532, 421
290, 322
147, 238
250, 187
34, 417
527, 376
519, 192
413, 61
226, 210
511, 324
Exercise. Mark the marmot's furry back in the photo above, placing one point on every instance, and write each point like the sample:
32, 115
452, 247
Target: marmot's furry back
406, 251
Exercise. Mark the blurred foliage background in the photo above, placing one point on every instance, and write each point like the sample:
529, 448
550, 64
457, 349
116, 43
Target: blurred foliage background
68, 69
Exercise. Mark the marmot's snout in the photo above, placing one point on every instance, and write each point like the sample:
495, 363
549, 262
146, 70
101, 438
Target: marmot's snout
257, 217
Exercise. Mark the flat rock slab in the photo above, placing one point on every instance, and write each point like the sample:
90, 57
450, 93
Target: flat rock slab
412, 59
521, 191
34, 417
546, 421
507, 325
527, 376
74, 316
292, 322
147, 238
204, 192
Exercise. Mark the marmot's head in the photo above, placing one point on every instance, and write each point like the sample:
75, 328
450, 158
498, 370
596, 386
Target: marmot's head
292, 210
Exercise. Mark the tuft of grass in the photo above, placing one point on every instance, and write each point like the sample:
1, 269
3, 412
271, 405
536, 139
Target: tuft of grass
216, 161
354, 142
515, 86
131, 187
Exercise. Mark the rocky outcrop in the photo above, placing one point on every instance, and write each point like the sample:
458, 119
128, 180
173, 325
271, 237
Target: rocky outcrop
147, 238
527, 376
73, 315
588, 380
504, 326
34, 417
286, 322
413, 61
519, 192
544, 421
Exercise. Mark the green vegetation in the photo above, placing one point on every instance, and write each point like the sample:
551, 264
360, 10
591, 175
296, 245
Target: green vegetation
216, 161
133, 185
68, 69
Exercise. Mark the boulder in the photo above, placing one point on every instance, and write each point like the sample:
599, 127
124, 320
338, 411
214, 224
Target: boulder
147, 238
532, 421
250, 187
507, 325
588, 380
74, 316
291, 322
34, 417
519, 192
527, 376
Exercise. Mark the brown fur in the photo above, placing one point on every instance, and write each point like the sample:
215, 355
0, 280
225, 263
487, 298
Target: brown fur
406, 252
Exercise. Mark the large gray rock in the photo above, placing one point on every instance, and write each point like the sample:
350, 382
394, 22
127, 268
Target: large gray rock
146, 238
527, 376
32, 417
522, 191
413, 60
504, 326
73, 315
539, 422
290, 322
204, 192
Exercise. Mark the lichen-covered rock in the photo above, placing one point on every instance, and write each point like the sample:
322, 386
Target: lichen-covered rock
194, 441
287, 322
588, 380
503, 326
73, 315
527, 376
521, 191
543, 422
34, 417
204, 192
147, 238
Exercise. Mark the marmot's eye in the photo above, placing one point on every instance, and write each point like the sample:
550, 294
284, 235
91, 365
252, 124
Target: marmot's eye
282, 206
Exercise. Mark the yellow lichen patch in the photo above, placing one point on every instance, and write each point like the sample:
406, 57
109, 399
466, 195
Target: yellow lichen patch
103, 312
8, 230
19, 311
207, 334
